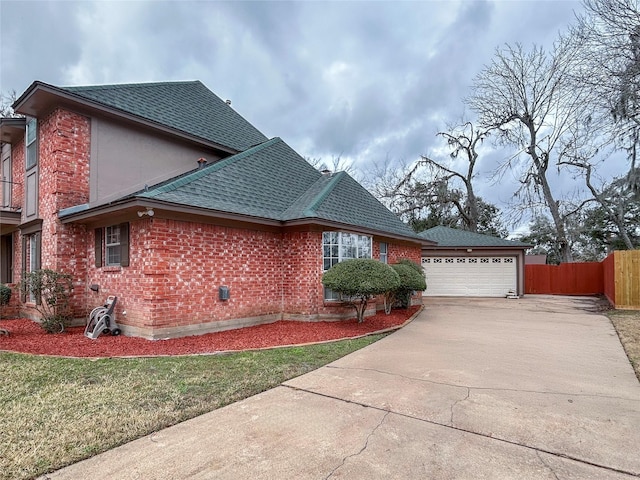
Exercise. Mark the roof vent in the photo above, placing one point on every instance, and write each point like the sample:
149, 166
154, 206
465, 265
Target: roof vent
228, 102
202, 162
326, 171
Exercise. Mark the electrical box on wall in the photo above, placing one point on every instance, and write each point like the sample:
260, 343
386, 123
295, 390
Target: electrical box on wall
223, 293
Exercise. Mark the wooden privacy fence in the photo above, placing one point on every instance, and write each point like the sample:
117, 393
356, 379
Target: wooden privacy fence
565, 279
617, 277
622, 279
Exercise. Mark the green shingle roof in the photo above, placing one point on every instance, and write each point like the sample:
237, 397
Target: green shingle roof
339, 198
451, 237
189, 107
272, 181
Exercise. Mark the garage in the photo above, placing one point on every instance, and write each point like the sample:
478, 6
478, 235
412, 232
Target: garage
468, 264
470, 276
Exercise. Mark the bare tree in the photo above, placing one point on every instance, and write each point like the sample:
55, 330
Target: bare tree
438, 185
526, 97
336, 164
607, 60
6, 102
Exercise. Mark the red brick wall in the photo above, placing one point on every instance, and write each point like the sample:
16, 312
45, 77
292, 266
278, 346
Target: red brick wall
302, 273
17, 173
177, 267
63, 181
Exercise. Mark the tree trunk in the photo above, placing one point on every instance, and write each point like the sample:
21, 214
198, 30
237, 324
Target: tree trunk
564, 248
472, 209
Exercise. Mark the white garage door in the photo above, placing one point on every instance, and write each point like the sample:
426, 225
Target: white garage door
469, 276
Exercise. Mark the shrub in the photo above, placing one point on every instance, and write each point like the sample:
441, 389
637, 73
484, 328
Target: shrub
411, 279
357, 280
5, 294
52, 291
5, 298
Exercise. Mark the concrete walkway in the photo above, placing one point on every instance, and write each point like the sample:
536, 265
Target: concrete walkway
536, 388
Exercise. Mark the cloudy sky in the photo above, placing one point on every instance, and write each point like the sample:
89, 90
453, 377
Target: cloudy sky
366, 81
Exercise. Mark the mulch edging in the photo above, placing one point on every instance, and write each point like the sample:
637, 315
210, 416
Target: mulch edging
27, 337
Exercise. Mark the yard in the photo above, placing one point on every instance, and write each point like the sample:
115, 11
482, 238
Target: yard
627, 324
57, 411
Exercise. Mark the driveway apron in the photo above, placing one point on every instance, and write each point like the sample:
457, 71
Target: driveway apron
537, 388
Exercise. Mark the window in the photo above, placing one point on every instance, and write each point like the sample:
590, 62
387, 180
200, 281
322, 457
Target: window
383, 253
32, 143
340, 246
112, 245
115, 239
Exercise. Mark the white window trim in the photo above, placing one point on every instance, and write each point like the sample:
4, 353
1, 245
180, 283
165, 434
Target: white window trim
31, 123
108, 246
329, 295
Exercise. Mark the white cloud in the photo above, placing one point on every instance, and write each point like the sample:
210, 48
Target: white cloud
363, 80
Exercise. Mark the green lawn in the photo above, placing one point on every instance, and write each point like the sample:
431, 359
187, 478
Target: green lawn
57, 411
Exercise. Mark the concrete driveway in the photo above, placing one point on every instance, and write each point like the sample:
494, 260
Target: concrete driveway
534, 388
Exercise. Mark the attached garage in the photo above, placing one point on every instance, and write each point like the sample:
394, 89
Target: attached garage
467, 264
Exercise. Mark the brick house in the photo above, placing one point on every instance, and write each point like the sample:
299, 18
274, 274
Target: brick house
163, 195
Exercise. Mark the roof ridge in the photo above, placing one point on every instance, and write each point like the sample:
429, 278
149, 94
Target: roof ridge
310, 211
103, 86
179, 181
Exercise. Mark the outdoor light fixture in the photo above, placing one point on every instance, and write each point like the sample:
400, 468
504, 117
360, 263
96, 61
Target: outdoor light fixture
94, 287
149, 212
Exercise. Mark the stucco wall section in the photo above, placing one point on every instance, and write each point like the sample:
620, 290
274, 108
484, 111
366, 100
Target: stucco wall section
124, 159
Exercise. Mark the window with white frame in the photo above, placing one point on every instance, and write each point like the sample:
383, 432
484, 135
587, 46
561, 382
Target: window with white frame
384, 258
32, 143
340, 246
112, 245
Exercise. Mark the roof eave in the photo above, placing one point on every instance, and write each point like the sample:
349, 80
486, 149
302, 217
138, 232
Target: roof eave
440, 246
346, 226
41, 98
12, 129
132, 206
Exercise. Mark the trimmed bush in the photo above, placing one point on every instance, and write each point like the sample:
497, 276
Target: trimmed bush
411, 279
5, 298
358, 280
5, 294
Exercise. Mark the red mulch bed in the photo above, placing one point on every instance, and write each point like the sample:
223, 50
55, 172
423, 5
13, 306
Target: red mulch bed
27, 337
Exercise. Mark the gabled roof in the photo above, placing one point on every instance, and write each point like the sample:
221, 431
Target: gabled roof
339, 198
272, 181
452, 237
186, 107
260, 182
